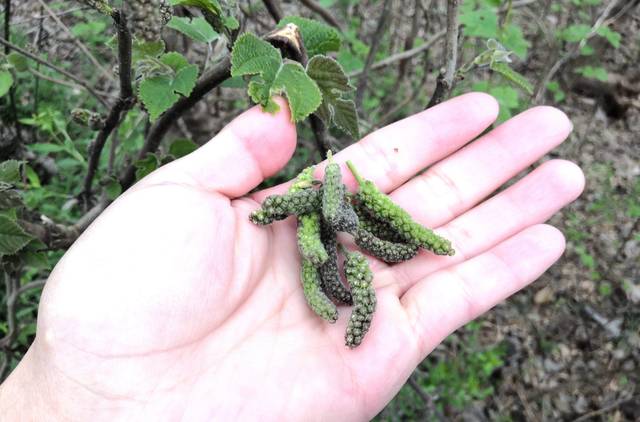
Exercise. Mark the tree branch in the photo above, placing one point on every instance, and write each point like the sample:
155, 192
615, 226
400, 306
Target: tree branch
59, 236
12, 89
209, 80
75, 39
602, 20
375, 44
123, 103
445, 81
324, 13
274, 9
37, 59
403, 55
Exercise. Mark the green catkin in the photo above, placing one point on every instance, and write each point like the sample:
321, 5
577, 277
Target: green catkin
279, 207
308, 232
303, 180
360, 278
331, 281
381, 206
383, 249
309, 241
347, 220
316, 298
333, 191
379, 228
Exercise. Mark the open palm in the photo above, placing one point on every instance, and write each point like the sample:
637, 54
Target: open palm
173, 306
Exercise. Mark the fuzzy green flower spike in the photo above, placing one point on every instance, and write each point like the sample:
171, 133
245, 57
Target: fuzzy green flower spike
383, 208
316, 298
331, 282
279, 207
360, 278
383, 249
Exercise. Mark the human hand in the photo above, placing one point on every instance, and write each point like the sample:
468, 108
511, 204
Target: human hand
172, 305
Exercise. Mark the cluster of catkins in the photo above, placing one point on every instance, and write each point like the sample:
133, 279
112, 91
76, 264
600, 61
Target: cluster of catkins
148, 17
379, 227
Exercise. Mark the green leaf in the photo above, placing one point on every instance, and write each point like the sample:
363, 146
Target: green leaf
145, 49
587, 50
158, 93
318, 38
10, 171
610, 35
12, 236
254, 56
513, 76
574, 33
302, 92
481, 23
6, 80
112, 188
146, 165
212, 6
174, 60
334, 83
18, 61
185, 80
345, 117
558, 93
197, 28
599, 73
181, 147
511, 37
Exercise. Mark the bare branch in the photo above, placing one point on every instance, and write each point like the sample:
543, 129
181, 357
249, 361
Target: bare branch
375, 44
403, 55
125, 100
603, 20
274, 9
75, 39
324, 13
444, 84
209, 80
37, 59
12, 89
59, 236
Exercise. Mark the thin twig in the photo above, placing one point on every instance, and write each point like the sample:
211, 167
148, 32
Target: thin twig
408, 42
324, 13
12, 89
274, 9
61, 82
403, 55
77, 41
573, 52
445, 81
209, 80
42, 15
375, 44
59, 236
605, 409
124, 102
37, 59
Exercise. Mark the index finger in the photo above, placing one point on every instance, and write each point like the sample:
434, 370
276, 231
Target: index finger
392, 155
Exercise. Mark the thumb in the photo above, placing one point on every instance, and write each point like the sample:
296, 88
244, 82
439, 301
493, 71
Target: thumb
255, 145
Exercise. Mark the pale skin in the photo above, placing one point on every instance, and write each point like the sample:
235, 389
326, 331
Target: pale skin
173, 306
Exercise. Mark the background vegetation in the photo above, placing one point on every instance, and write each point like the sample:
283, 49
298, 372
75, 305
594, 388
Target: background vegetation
566, 348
